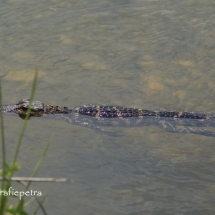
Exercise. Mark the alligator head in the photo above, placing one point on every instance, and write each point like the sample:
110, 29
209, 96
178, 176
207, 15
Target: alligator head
36, 108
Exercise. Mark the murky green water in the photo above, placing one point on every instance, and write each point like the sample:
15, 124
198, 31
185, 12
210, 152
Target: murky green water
146, 54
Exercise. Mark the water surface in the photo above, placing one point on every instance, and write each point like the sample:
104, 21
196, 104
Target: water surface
145, 54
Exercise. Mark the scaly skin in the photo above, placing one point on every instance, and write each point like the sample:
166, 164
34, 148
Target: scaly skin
95, 116
39, 109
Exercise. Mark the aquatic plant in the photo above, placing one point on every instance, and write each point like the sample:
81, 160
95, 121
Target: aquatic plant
8, 170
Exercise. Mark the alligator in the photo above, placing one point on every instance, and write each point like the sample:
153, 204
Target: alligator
96, 116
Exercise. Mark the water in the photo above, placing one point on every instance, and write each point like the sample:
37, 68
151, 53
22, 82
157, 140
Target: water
144, 54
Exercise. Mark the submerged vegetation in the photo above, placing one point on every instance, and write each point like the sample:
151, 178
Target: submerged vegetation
8, 170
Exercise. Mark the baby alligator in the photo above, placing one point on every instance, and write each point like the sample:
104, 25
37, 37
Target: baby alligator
103, 115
